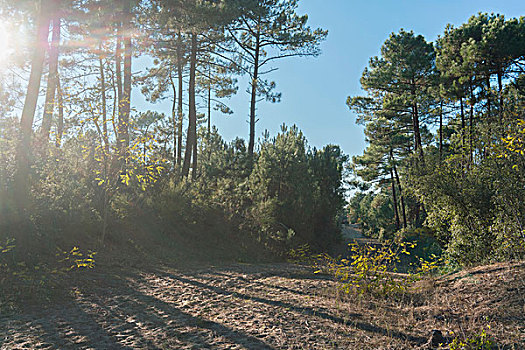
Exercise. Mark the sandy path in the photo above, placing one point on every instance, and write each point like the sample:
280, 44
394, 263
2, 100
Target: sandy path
277, 306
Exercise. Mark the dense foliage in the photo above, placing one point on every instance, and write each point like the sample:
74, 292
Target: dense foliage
444, 128
80, 165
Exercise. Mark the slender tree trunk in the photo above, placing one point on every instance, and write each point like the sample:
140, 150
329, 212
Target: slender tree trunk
253, 98
500, 95
23, 153
401, 196
105, 137
192, 114
394, 197
209, 101
194, 164
105, 210
104, 106
60, 123
418, 146
471, 126
462, 125
181, 116
488, 96
440, 131
120, 95
489, 118
126, 96
118, 65
51, 81
174, 116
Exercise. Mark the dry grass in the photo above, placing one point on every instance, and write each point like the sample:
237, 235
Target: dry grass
265, 306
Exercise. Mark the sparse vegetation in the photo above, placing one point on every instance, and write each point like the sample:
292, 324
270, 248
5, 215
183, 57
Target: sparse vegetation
479, 341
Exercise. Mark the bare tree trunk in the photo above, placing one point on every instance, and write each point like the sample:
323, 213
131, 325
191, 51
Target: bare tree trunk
253, 98
440, 130
192, 113
126, 97
23, 153
471, 126
403, 210
488, 96
462, 130
60, 122
489, 118
500, 95
209, 101
418, 146
194, 164
181, 116
104, 106
120, 95
394, 197
52, 81
174, 117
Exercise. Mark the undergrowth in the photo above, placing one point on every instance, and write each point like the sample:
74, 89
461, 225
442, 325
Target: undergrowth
478, 341
371, 268
22, 281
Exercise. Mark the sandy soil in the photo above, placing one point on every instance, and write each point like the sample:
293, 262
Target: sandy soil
268, 306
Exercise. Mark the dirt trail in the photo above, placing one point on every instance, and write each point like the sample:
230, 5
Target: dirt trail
264, 306
278, 306
352, 233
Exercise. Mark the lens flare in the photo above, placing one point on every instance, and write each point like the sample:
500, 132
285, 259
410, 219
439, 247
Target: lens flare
5, 47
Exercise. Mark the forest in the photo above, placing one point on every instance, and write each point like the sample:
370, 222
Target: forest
444, 125
123, 226
81, 155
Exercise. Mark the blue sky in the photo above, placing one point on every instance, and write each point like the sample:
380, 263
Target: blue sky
314, 90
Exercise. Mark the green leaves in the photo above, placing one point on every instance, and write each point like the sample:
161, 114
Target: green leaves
7, 246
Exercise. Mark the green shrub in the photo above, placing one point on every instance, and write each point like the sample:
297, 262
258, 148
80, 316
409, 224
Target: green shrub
481, 341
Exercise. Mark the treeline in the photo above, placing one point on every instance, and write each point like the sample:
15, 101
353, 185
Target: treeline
444, 126
81, 157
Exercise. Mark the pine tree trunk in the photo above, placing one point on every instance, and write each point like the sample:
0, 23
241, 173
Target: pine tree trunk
500, 93
192, 113
174, 117
209, 101
51, 82
126, 96
120, 95
105, 137
104, 106
60, 122
462, 127
415, 124
488, 97
394, 197
471, 125
194, 164
181, 116
489, 118
23, 153
402, 197
440, 131
253, 98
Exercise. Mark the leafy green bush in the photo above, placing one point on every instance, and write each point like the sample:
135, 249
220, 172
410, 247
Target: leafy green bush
372, 269
481, 341
21, 280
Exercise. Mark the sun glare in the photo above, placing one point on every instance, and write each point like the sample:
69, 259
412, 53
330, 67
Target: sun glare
4, 43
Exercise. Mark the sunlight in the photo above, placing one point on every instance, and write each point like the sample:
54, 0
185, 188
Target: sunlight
5, 48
